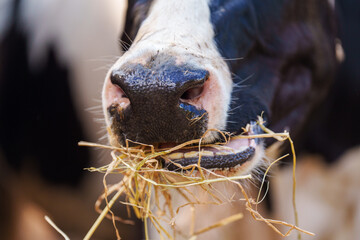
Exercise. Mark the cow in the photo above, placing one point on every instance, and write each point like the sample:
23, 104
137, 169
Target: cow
192, 66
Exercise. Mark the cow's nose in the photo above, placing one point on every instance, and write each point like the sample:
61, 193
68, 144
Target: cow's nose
160, 103
177, 83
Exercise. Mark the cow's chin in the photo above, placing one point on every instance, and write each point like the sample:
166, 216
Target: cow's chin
235, 157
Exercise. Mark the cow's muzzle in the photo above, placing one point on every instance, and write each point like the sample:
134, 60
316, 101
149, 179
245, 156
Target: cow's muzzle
153, 103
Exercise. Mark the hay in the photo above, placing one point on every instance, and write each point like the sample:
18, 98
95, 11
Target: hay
56, 228
145, 181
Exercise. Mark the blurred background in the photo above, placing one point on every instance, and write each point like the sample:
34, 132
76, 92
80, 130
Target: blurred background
54, 55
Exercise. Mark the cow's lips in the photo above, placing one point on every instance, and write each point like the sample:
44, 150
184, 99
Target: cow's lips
234, 153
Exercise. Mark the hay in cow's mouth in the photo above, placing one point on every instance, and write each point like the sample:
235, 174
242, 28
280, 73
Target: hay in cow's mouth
145, 180
232, 153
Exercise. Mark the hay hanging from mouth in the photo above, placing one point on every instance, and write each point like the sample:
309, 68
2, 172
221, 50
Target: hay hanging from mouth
145, 182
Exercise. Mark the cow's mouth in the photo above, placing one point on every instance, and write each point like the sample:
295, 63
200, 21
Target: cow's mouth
232, 154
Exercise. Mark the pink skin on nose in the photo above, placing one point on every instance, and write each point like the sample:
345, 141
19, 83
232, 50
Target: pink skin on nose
114, 94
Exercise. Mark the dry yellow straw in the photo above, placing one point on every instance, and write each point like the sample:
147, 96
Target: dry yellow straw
222, 222
56, 228
144, 177
103, 214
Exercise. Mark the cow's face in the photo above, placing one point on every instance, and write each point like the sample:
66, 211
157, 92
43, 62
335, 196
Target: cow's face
195, 65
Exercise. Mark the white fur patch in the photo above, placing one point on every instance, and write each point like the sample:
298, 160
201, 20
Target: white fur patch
85, 36
183, 29
78, 29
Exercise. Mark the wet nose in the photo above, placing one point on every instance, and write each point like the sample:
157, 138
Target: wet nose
173, 83
160, 98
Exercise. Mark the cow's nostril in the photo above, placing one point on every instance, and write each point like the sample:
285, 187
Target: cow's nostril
192, 93
123, 95
194, 84
118, 80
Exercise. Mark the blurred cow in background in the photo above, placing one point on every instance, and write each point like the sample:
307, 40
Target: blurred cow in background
53, 59
329, 164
